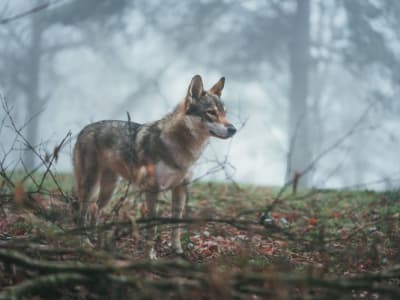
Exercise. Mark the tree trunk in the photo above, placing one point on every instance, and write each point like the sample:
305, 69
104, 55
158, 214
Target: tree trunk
33, 90
299, 155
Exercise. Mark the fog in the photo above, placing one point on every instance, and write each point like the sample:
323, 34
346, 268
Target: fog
312, 85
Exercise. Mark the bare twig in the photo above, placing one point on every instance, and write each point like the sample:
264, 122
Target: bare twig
28, 12
19, 133
329, 149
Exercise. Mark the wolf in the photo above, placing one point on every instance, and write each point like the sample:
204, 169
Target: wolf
155, 156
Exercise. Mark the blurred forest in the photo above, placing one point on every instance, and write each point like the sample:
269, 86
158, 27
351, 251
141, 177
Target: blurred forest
303, 77
302, 203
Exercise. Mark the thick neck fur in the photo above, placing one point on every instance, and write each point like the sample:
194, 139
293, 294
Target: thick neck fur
184, 135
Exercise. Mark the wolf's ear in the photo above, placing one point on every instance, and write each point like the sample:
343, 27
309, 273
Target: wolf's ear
195, 89
218, 87
194, 92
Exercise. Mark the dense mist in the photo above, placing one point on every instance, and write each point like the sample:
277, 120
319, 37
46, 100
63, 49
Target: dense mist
311, 85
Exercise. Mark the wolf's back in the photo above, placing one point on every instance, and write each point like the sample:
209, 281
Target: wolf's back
112, 135
109, 134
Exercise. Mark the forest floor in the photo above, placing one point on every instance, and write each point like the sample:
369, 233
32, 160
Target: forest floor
240, 242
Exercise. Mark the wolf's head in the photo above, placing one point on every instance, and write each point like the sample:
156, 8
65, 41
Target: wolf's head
206, 109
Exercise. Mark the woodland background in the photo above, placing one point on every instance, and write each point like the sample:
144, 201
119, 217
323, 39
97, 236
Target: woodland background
301, 76
302, 203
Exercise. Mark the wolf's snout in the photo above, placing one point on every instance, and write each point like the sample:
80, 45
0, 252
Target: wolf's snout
231, 129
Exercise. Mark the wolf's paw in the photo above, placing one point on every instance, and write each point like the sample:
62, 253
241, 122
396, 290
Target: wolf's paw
153, 254
178, 250
177, 247
87, 242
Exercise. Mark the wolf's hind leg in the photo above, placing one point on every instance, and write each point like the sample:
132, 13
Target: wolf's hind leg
178, 205
151, 202
88, 205
108, 180
86, 176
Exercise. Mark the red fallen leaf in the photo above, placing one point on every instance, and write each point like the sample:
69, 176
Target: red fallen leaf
276, 215
211, 245
19, 231
267, 250
312, 221
335, 214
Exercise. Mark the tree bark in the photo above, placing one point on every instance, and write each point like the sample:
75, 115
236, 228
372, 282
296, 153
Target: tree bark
299, 155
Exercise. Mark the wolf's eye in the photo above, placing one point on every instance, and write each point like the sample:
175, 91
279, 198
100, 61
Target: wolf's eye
212, 113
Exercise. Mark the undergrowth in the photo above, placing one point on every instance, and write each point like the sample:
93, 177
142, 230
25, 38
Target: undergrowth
297, 246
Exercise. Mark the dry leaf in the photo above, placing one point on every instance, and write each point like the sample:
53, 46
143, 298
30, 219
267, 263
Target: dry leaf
56, 152
19, 194
312, 221
267, 250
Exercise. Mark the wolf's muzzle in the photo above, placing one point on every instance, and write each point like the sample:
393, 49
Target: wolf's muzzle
222, 131
231, 130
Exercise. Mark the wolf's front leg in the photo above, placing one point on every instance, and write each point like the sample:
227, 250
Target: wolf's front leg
178, 205
151, 202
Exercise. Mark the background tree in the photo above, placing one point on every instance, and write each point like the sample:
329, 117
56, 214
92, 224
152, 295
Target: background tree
30, 52
299, 59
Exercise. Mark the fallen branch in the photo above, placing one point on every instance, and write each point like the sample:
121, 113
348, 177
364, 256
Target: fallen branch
178, 274
42, 284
